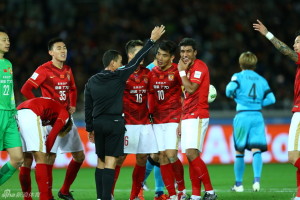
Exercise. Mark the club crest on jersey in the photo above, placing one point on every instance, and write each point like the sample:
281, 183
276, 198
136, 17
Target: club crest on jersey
171, 77
68, 76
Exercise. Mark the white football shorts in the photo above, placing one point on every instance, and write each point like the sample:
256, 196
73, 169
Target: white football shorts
67, 144
193, 132
166, 136
33, 134
294, 133
139, 139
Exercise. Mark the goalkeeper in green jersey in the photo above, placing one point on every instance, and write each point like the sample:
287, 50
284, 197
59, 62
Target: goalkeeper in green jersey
9, 135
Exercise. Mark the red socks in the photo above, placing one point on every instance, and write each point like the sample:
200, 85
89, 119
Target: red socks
138, 176
50, 181
179, 173
25, 181
196, 182
200, 168
42, 180
117, 172
168, 178
71, 174
297, 164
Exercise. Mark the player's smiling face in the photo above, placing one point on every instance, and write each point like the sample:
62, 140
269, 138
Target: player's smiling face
297, 44
59, 51
164, 59
4, 43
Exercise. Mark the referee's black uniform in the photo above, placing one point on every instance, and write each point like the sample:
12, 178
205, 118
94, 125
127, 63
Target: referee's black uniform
104, 106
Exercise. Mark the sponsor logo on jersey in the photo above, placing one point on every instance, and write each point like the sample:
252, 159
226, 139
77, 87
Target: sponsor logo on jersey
61, 76
161, 76
34, 76
5, 70
171, 77
197, 74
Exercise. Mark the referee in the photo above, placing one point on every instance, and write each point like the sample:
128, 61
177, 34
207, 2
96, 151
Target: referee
103, 111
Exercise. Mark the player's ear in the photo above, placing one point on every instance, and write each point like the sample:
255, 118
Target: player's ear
195, 52
172, 58
50, 52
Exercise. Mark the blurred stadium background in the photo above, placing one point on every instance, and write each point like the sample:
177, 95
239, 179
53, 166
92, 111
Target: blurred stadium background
222, 28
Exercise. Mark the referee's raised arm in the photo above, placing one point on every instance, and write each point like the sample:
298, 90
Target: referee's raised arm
128, 69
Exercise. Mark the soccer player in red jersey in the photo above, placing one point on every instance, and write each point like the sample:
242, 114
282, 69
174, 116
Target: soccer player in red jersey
165, 107
139, 137
33, 114
195, 116
294, 55
56, 81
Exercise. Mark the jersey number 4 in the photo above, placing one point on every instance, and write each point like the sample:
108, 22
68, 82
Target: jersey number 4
252, 92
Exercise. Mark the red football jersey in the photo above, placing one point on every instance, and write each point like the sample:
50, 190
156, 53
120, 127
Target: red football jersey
135, 105
196, 105
165, 89
296, 107
48, 109
55, 83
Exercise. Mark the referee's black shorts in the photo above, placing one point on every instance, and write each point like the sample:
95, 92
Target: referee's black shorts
109, 136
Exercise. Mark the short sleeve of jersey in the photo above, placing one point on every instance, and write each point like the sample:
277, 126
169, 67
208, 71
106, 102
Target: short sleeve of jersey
38, 77
198, 73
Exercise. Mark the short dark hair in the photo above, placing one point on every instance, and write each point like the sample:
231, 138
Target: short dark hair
110, 55
131, 44
3, 29
188, 42
53, 41
168, 46
297, 33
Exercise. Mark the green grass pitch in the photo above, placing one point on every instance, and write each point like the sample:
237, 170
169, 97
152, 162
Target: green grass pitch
278, 183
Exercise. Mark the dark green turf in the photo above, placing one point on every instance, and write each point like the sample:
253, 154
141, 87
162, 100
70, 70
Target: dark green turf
278, 183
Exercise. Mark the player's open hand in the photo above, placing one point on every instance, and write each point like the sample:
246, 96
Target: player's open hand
157, 32
260, 27
91, 137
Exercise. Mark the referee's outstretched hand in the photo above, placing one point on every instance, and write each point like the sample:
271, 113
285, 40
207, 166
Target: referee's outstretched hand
157, 32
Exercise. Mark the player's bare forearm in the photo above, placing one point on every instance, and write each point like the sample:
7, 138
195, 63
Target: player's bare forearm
189, 86
284, 49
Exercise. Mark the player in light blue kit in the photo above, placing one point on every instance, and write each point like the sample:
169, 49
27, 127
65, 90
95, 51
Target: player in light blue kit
251, 92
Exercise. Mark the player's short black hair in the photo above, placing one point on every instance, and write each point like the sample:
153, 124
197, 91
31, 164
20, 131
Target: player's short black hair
131, 44
297, 33
3, 29
110, 55
188, 42
53, 41
168, 46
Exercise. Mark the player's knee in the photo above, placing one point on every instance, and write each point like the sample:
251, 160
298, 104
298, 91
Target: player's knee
17, 161
78, 156
292, 159
191, 155
141, 160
